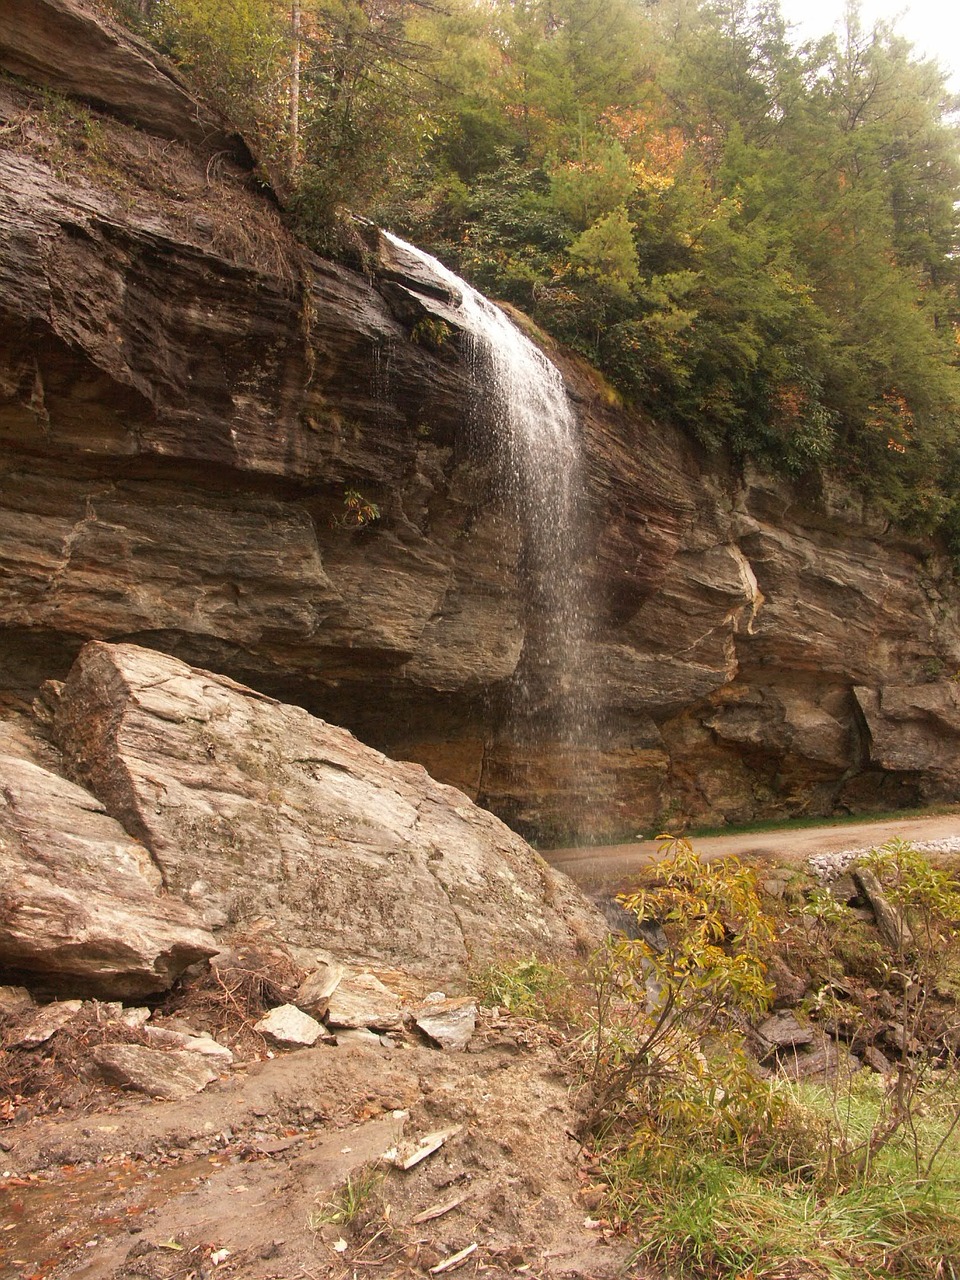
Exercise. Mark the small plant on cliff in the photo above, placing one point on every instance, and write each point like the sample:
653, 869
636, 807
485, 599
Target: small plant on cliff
70, 137
431, 333
358, 511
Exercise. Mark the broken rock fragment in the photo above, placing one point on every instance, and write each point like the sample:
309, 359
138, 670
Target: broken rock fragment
46, 1022
193, 763
784, 1031
892, 925
135, 1017
450, 1023
172, 1076
315, 991
82, 909
290, 1027
360, 1036
823, 1060
15, 1000
361, 1000
205, 1045
407, 1153
877, 1061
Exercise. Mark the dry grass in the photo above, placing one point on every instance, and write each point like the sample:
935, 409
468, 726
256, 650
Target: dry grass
225, 1001
55, 1076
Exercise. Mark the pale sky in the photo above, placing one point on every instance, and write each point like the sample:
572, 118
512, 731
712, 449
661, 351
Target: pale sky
932, 26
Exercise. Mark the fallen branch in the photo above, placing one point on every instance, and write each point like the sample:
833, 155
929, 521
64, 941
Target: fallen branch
449, 1263
437, 1211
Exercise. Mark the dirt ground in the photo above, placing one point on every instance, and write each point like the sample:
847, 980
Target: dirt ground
237, 1181
610, 868
247, 1178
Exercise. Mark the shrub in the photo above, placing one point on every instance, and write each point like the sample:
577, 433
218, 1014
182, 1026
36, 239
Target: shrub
657, 1000
719, 1173
530, 988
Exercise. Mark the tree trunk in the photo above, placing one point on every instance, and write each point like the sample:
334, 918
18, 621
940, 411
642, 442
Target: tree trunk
295, 95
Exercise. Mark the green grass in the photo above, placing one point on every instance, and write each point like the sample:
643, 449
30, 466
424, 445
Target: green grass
353, 1202
705, 1215
836, 820
528, 987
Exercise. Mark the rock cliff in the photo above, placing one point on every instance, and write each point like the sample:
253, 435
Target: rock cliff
187, 397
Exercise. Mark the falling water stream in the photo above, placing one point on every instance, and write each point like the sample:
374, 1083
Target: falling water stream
524, 402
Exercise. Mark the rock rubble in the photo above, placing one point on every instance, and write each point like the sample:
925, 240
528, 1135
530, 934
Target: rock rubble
827, 867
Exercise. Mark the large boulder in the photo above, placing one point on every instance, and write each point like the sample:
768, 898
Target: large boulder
915, 728
81, 903
253, 809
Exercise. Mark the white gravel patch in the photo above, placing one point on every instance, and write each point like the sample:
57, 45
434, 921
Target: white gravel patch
828, 866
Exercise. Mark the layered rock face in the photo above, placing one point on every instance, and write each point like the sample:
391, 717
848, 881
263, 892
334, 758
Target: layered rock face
188, 400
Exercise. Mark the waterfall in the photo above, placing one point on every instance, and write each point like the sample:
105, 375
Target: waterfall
525, 404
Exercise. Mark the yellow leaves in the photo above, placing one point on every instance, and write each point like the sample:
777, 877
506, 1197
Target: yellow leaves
650, 180
716, 928
656, 150
893, 416
358, 510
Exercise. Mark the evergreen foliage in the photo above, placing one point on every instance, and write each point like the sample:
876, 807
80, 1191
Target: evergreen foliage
756, 240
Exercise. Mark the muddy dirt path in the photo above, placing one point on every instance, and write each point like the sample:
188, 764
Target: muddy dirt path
610, 868
244, 1181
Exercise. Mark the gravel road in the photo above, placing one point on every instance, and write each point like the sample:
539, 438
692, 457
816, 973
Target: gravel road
610, 868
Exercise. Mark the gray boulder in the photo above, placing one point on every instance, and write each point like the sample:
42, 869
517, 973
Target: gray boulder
81, 907
252, 808
173, 1076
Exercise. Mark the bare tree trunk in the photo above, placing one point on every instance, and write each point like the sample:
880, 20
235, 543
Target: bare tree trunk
295, 95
